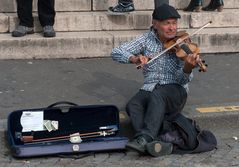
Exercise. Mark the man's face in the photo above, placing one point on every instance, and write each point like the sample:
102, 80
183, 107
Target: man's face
166, 29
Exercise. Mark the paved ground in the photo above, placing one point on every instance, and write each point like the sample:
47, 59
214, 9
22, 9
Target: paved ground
38, 83
227, 154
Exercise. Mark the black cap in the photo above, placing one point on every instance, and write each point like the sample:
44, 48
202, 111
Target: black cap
164, 12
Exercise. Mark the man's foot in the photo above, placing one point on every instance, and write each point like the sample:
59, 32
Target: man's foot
214, 5
194, 6
122, 8
22, 31
138, 144
159, 148
48, 31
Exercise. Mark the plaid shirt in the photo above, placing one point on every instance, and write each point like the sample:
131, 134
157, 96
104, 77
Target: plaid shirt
166, 69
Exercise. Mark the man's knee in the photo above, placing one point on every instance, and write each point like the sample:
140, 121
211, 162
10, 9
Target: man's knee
129, 107
157, 96
133, 106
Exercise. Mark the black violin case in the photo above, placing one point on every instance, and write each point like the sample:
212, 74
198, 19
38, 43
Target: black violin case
67, 128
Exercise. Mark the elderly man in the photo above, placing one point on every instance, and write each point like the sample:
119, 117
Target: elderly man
166, 79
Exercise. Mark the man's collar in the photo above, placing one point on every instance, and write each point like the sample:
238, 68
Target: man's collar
154, 33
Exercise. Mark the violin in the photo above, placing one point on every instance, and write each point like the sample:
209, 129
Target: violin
185, 48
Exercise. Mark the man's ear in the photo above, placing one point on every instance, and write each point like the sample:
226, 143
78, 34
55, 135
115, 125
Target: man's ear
154, 22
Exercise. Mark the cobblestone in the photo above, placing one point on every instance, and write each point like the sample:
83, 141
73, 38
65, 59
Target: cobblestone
224, 156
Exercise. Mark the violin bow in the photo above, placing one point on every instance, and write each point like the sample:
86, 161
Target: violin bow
179, 41
74, 138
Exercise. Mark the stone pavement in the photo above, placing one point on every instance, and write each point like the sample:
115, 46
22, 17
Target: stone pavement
85, 24
227, 154
38, 83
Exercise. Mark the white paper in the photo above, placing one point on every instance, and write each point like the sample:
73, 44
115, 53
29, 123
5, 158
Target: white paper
32, 121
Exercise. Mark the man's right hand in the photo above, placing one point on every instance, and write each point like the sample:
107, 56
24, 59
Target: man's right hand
139, 60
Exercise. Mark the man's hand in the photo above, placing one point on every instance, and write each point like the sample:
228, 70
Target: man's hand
139, 60
190, 63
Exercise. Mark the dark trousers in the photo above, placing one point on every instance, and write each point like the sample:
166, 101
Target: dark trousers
46, 12
148, 110
157, 3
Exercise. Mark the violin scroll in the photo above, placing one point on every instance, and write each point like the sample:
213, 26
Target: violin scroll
185, 48
203, 66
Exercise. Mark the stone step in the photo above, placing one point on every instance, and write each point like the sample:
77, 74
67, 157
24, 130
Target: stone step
149, 4
4, 23
100, 44
228, 4
78, 5
138, 4
227, 18
140, 20
60, 5
94, 21
101, 5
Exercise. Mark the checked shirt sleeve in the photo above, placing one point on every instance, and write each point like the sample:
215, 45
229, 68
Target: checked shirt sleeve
123, 52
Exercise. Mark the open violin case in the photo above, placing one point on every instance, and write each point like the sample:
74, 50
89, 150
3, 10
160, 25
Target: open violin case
64, 128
